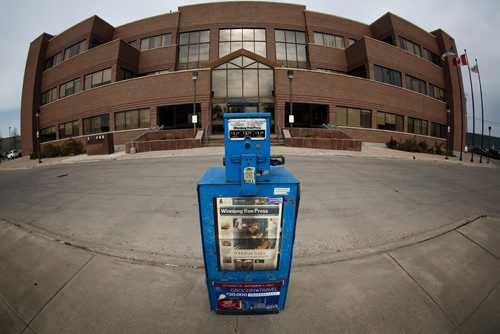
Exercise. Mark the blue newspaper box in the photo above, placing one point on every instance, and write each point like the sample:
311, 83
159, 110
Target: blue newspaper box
248, 212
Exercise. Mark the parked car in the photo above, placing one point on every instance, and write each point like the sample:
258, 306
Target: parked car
494, 154
3, 156
480, 151
14, 154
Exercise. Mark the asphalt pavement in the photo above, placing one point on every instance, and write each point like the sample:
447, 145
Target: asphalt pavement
386, 242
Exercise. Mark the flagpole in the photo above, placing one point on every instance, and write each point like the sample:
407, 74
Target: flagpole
482, 113
473, 109
463, 126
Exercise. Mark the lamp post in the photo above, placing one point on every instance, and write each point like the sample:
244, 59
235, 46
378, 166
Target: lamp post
448, 130
194, 76
38, 137
291, 119
10, 140
489, 142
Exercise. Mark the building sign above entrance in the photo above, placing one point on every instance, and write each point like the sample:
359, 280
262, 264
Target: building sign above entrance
243, 100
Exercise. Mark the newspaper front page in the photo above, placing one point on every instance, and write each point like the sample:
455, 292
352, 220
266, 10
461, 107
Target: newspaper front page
248, 232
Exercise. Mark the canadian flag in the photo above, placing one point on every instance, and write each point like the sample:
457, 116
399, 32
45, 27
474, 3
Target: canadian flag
460, 61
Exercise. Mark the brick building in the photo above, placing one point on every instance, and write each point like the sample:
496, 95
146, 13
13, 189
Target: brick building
374, 81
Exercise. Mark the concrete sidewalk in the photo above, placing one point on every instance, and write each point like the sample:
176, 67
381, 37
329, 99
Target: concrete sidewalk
369, 150
447, 281
447, 284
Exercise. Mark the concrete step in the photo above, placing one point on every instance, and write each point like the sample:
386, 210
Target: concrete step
215, 143
218, 140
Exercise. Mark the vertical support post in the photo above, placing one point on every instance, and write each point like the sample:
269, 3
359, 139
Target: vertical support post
489, 143
448, 111
194, 76
291, 119
38, 137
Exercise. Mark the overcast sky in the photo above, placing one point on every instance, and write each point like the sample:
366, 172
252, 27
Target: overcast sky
475, 25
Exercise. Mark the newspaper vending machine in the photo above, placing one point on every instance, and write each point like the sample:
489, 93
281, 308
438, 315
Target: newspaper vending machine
248, 212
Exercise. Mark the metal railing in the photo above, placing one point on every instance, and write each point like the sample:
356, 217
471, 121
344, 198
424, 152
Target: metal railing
335, 127
330, 126
206, 136
279, 133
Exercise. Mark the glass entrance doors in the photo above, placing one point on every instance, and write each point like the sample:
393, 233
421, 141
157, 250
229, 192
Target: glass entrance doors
242, 107
232, 106
241, 85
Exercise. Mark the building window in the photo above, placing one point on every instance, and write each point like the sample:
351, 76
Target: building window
388, 121
438, 130
410, 46
155, 42
417, 126
329, 40
158, 72
49, 96
74, 50
415, 84
307, 115
436, 92
291, 48
176, 116
387, 75
96, 124
359, 72
54, 60
98, 78
253, 40
124, 74
194, 49
48, 134
132, 119
388, 40
329, 70
353, 117
96, 43
242, 77
351, 41
133, 44
431, 56
68, 130
69, 88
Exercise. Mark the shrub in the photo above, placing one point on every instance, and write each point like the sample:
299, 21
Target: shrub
393, 144
50, 151
409, 145
423, 147
438, 149
71, 147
